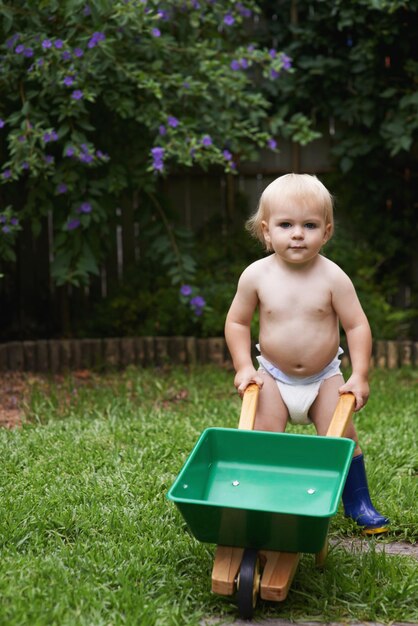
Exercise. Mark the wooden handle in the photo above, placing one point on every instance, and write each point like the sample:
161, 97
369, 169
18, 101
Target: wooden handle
249, 407
342, 415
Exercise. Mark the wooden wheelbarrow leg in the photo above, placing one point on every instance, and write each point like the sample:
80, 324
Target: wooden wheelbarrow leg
225, 569
279, 571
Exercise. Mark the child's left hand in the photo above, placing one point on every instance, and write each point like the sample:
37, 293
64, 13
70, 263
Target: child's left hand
359, 386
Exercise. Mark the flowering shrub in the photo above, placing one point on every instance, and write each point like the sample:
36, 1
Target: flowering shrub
103, 97
9, 227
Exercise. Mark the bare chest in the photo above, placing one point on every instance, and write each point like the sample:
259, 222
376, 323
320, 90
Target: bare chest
312, 301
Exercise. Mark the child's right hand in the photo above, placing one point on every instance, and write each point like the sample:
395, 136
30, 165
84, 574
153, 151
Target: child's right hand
245, 377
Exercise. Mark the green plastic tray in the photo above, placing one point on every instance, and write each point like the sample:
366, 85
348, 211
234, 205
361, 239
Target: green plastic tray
265, 490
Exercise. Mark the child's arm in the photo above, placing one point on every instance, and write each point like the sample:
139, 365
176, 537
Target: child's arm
359, 338
238, 333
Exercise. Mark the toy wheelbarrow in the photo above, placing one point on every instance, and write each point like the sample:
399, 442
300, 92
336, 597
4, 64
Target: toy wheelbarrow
264, 498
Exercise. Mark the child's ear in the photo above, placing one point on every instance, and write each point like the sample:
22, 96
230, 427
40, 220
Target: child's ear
266, 233
327, 233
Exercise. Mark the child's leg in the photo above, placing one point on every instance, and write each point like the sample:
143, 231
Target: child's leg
272, 413
323, 408
356, 497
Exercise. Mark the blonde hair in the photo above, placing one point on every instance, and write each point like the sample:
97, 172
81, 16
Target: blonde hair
303, 187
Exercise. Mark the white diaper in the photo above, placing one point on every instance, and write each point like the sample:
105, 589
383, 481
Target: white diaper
297, 393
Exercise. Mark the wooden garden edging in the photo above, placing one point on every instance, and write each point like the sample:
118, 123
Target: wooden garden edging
59, 355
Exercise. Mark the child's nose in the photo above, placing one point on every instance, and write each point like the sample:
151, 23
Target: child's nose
297, 232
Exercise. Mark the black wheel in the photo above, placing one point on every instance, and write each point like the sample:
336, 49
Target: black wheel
248, 583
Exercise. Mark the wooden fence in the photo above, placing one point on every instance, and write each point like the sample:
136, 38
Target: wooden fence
56, 356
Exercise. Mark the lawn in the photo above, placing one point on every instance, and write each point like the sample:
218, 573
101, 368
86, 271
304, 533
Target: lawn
89, 538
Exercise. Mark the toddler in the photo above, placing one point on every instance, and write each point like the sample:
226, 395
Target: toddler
302, 298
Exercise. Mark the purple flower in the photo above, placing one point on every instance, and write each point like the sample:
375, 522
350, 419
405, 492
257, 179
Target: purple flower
235, 65
185, 290
78, 52
7, 173
86, 10
102, 155
11, 42
272, 144
68, 81
62, 188
157, 152
2, 123
14, 221
272, 53
73, 224
227, 155
95, 39
46, 44
85, 208
274, 74
86, 157
243, 63
286, 60
207, 140
25, 165
59, 44
52, 136
162, 130
6, 229
229, 19
69, 152
19, 49
243, 10
77, 94
49, 159
28, 52
66, 55
156, 32
158, 158
198, 303
173, 121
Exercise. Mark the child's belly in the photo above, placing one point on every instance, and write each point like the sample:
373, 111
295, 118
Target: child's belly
300, 354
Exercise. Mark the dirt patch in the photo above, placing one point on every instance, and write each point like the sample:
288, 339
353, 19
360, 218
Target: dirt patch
16, 389
13, 388
10, 418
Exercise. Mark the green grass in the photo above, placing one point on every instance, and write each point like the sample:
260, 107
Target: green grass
88, 538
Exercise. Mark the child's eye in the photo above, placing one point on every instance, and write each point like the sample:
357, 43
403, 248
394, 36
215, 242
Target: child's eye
310, 226
285, 225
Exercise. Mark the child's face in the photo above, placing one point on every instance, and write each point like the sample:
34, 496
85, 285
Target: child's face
296, 231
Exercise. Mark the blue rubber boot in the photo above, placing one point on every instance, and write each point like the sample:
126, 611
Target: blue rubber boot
357, 503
